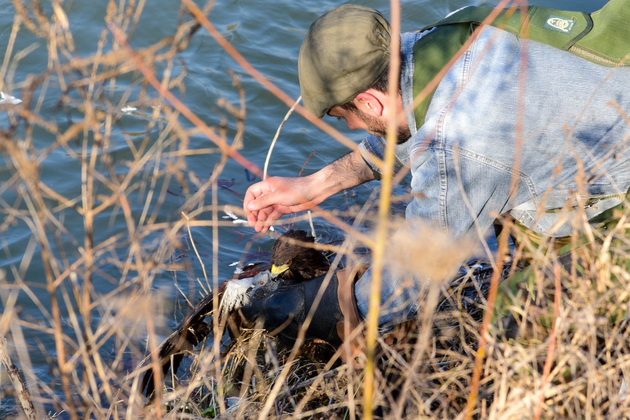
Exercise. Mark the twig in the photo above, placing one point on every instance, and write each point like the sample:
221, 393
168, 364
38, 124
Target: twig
21, 391
275, 138
378, 253
310, 222
552, 339
218, 324
192, 241
485, 327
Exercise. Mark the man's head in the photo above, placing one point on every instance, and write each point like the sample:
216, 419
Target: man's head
344, 53
344, 66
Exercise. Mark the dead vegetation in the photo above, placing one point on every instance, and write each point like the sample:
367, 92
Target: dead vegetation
557, 346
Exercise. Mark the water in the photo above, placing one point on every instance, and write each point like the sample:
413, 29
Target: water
268, 34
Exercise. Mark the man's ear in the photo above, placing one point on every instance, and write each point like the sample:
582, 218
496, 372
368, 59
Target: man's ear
371, 102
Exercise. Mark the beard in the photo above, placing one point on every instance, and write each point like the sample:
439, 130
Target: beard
379, 127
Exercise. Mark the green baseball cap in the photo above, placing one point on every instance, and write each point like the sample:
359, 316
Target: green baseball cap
345, 51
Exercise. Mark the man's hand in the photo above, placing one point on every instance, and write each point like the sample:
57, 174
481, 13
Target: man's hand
274, 197
268, 200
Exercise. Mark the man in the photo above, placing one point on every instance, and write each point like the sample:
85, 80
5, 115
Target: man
515, 127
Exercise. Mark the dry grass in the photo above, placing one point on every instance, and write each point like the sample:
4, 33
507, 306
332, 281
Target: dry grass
557, 346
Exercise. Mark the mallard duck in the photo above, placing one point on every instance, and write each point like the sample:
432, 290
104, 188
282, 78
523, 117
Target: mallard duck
290, 262
194, 329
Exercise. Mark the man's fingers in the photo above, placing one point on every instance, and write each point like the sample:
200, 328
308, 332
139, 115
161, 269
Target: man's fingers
252, 217
267, 216
253, 193
268, 200
263, 219
262, 201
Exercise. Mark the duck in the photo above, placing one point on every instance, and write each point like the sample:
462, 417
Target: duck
294, 258
193, 329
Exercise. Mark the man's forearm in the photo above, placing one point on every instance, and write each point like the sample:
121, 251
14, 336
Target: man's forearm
346, 172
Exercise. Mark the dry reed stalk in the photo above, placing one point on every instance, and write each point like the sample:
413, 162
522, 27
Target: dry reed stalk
485, 327
21, 390
217, 328
378, 251
552, 340
275, 137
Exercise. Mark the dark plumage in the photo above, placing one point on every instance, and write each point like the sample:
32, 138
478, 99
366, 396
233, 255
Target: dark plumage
290, 262
191, 331
295, 258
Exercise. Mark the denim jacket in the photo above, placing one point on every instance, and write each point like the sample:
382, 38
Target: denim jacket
514, 126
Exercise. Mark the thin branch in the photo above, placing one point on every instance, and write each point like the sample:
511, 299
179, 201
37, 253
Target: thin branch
378, 252
275, 138
21, 390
